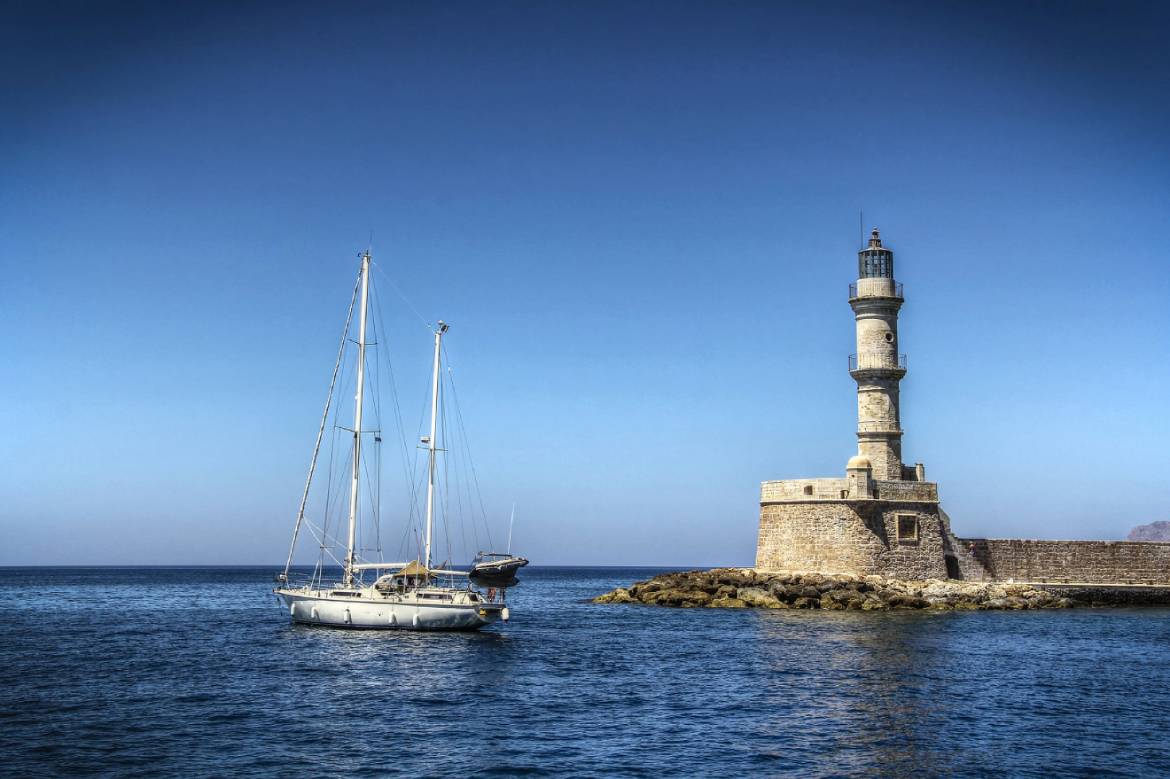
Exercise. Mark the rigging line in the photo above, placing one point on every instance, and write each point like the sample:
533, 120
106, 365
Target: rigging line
333, 477
385, 334
339, 493
377, 375
417, 480
370, 480
330, 477
412, 525
470, 459
460, 486
324, 545
321, 429
394, 286
373, 485
378, 496
446, 468
462, 474
415, 484
384, 352
455, 485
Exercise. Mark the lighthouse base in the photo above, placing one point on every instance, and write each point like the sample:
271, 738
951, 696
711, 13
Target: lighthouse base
900, 532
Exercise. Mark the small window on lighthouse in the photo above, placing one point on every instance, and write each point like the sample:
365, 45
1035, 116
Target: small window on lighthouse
808, 489
889, 338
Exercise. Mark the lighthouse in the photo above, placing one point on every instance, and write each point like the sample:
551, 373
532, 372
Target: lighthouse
883, 517
877, 366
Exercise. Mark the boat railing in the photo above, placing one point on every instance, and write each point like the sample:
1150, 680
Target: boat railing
295, 580
483, 556
493, 595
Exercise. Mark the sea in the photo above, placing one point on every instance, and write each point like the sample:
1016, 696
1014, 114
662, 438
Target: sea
198, 672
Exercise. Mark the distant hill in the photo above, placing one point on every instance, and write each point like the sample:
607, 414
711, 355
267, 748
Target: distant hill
1155, 531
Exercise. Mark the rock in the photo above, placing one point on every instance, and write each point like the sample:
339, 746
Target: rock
907, 602
740, 588
1155, 531
727, 603
757, 597
842, 599
1039, 599
830, 604
620, 595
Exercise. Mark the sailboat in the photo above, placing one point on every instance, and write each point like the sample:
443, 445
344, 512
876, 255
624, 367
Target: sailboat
413, 595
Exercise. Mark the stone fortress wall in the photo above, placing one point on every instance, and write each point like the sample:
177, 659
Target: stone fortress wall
883, 517
1077, 562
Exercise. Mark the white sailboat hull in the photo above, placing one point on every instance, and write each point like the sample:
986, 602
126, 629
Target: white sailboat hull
374, 612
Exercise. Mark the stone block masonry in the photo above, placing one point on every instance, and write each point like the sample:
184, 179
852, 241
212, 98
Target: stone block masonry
1082, 562
895, 539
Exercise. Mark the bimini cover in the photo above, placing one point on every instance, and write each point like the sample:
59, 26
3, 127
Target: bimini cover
415, 569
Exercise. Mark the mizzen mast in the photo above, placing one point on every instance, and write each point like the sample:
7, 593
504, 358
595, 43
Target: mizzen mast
357, 423
442, 328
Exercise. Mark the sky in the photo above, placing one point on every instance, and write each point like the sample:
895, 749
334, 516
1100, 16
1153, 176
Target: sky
641, 219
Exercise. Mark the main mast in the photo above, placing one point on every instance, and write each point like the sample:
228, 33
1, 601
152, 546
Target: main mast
431, 442
357, 422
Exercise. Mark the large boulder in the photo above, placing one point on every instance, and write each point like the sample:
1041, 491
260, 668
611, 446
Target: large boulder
727, 603
759, 598
620, 595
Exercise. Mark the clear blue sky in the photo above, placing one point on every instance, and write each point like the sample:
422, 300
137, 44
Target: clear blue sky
641, 217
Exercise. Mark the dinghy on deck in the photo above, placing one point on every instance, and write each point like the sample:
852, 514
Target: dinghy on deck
496, 570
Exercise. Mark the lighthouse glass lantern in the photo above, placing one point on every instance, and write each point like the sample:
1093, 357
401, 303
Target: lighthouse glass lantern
874, 261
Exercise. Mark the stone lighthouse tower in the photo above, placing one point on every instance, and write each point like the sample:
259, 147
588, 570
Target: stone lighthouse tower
877, 367
883, 517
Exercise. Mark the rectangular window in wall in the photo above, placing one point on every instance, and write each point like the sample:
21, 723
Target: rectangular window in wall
907, 528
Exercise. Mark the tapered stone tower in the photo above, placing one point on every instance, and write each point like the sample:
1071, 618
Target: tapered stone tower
877, 367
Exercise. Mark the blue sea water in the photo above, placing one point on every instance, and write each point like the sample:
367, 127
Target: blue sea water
197, 672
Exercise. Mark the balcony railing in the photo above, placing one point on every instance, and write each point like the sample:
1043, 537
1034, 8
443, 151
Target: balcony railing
877, 361
875, 288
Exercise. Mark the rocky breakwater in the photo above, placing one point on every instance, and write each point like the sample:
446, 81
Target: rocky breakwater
740, 588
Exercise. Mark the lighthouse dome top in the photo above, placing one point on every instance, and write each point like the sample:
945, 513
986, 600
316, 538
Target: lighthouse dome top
875, 261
